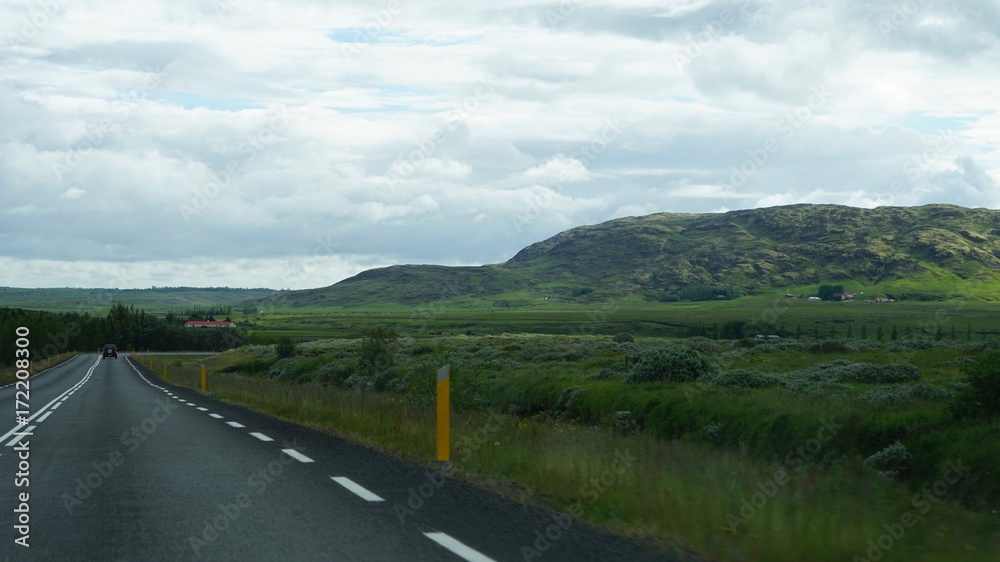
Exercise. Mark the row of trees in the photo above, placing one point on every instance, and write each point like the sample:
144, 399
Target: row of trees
124, 326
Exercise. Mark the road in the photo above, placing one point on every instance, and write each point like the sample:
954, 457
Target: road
121, 466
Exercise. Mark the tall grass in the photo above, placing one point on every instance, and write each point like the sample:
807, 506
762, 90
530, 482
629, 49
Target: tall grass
678, 493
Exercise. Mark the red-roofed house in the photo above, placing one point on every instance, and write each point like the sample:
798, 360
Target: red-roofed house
208, 324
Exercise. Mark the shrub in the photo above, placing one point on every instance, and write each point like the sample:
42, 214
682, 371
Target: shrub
713, 431
901, 393
623, 337
982, 396
285, 348
673, 363
890, 462
745, 378
563, 408
625, 423
378, 349
845, 370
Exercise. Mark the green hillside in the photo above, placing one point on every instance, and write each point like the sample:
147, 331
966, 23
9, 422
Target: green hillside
918, 253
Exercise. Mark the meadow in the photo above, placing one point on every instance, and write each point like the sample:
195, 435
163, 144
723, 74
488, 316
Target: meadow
790, 449
956, 319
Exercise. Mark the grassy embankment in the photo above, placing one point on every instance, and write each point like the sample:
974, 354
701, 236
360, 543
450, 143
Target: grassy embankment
9, 374
701, 450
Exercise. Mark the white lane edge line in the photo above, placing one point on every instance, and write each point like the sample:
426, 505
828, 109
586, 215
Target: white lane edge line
47, 414
261, 436
358, 489
297, 455
216, 416
235, 424
19, 437
66, 392
458, 548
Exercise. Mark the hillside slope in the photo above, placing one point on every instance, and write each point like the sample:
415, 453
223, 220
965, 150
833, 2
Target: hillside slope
934, 251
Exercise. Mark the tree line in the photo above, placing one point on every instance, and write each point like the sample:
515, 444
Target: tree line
125, 326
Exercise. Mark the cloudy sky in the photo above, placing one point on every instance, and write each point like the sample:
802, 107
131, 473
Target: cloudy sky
291, 144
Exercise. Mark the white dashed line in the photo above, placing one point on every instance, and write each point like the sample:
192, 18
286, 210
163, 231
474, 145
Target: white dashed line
17, 438
356, 488
190, 403
47, 414
56, 405
235, 424
458, 548
296, 455
261, 436
202, 409
216, 416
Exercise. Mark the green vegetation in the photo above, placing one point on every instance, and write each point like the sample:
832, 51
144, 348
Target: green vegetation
154, 300
545, 414
52, 334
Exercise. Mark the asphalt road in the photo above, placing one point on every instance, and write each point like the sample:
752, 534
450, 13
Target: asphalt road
120, 466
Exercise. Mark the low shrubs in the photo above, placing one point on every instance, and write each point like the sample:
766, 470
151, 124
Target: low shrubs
890, 462
981, 398
845, 370
745, 378
671, 363
896, 394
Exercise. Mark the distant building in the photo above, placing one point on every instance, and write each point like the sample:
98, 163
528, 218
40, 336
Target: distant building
208, 324
768, 337
815, 299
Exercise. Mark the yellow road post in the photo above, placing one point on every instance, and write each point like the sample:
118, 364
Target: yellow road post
444, 414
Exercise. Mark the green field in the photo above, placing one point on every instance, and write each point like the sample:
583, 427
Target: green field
773, 314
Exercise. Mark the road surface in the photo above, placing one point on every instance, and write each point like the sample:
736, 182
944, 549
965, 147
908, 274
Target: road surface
121, 466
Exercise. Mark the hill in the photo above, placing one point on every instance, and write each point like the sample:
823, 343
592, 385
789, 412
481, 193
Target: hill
929, 252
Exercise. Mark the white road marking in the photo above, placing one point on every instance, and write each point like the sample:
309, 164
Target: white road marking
47, 414
458, 548
235, 424
56, 405
19, 437
202, 409
297, 455
65, 393
216, 416
356, 488
261, 436
190, 403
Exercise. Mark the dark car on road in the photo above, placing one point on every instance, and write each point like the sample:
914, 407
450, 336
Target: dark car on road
110, 351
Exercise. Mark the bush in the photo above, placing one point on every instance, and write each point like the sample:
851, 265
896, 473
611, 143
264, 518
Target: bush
891, 462
845, 370
564, 406
982, 396
625, 423
623, 337
900, 393
378, 350
745, 378
673, 363
285, 348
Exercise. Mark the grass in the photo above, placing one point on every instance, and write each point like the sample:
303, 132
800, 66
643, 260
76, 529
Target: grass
9, 374
683, 489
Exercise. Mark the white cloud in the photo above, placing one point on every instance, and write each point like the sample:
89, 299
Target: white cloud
458, 132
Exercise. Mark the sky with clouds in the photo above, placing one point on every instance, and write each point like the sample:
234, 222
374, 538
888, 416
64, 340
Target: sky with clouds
291, 144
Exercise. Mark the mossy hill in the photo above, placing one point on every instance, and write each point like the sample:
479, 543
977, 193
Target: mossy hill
926, 253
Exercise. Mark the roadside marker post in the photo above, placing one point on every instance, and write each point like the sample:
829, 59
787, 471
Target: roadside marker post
444, 414
202, 378
164, 371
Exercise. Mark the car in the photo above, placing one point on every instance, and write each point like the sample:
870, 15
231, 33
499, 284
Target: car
110, 351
